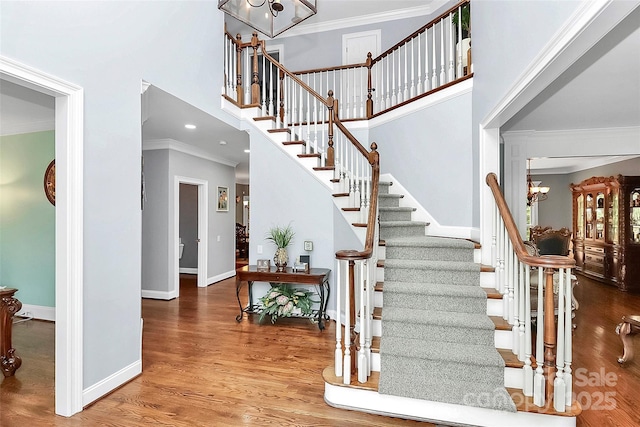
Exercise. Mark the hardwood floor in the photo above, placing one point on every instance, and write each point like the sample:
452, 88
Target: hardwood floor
201, 368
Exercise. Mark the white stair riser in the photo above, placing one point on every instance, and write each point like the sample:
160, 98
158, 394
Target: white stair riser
309, 162
488, 279
503, 339
375, 362
514, 378
382, 252
280, 137
293, 150
494, 307
477, 256
377, 299
380, 274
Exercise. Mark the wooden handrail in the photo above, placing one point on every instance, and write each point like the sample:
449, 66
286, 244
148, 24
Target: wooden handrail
351, 255
550, 261
337, 67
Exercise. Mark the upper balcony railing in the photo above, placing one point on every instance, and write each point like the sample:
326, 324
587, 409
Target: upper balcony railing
432, 58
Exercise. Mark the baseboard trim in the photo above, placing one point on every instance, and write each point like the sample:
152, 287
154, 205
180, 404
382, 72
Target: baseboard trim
188, 270
39, 312
165, 295
220, 277
101, 388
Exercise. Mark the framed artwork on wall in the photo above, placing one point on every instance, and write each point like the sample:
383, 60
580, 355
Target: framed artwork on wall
50, 182
223, 199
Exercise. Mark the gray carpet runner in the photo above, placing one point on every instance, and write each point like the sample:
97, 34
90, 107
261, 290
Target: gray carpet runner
437, 341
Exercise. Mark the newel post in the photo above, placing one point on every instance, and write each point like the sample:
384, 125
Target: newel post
549, 334
369, 64
255, 81
331, 102
239, 91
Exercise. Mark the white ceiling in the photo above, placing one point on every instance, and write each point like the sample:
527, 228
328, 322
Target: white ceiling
601, 90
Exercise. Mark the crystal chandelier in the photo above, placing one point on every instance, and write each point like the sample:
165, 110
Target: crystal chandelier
535, 193
270, 17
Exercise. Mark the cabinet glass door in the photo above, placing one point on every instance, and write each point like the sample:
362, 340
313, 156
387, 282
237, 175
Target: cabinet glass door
635, 216
613, 220
600, 216
580, 219
590, 228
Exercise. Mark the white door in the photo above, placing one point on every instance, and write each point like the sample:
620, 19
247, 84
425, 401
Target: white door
355, 46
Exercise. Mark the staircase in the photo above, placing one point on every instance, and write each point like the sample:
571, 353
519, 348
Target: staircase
442, 349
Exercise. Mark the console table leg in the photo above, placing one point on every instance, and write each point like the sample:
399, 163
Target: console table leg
9, 306
238, 286
624, 330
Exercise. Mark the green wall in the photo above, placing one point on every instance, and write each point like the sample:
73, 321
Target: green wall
27, 219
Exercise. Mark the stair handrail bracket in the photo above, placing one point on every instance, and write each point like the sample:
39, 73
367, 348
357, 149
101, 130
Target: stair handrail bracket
551, 384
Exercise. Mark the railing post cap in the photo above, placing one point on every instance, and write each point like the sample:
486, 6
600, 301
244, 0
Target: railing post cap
374, 146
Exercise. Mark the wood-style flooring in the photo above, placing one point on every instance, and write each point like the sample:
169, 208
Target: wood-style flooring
202, 368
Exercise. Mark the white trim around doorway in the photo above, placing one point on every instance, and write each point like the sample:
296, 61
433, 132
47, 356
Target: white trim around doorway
203, 232
69, 121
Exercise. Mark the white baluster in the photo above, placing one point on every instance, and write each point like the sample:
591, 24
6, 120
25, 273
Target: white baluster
521, 311
427, 83
559, 397
419, 64
363, 89
451, 51
278, 95
265, 110
362, 359
388, 103
568, 325
459, 67
369, 265
315, 121
406, 72
539, 380
394, 98
527, 369
400, 98
515, 285
443, 77
247, 80
434, 77
413, 80
346, 378
301, 119
510, 281
271, 104
337, 360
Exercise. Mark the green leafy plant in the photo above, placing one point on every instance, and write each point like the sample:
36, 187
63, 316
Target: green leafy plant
282, 299
280, 236
465, 22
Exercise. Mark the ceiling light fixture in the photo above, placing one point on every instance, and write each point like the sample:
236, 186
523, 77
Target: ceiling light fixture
270, 17
223, 142
247, 151
535, 193
190, 126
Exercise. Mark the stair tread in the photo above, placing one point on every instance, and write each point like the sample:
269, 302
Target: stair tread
379, 286
471, 354
312, 155
428, 264
359, 224
329, 376
264, 118
500, 323
340, 194
492, 293
391, 196
294, 143
434, 289
279, 130
377, 313
351, 209
487, 268
510, 360
396, 209
402, 223
442, 318
380, 263
382, 243
525, 404
324, 168
375, 345
429, 242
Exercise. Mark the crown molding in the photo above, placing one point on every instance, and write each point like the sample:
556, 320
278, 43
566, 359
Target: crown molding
31, 127
339, 24
172, 144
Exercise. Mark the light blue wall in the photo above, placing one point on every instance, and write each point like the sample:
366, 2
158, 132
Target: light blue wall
27, 219
283, 192
507, 37
107, 48
429, 153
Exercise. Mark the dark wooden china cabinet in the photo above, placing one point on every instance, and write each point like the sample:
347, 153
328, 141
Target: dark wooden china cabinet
606, 230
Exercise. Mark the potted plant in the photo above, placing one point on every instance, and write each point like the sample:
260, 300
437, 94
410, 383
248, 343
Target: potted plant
462, 19
281, 237
283, 300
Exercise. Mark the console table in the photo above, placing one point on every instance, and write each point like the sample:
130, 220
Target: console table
316, 276
9, 305
630, 325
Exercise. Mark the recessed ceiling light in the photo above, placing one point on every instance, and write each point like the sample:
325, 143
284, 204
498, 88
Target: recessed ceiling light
190, 126
223, 142
247, 151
